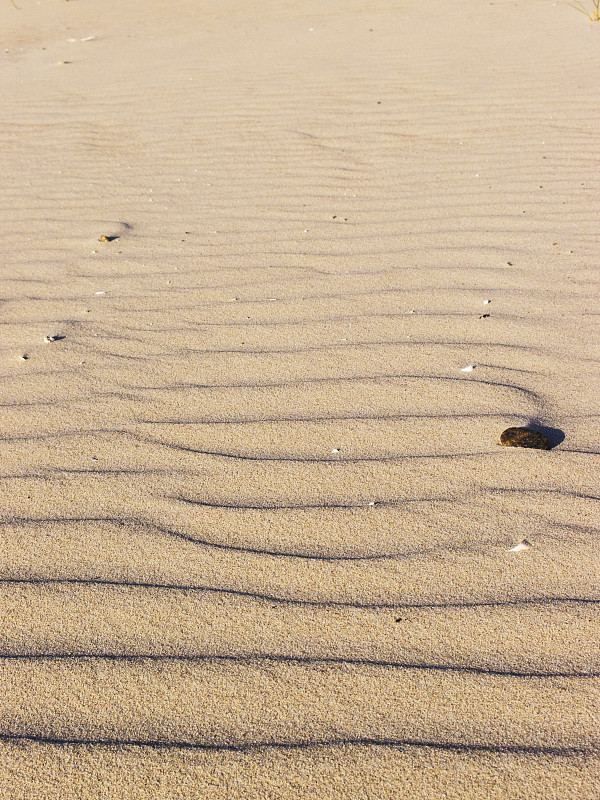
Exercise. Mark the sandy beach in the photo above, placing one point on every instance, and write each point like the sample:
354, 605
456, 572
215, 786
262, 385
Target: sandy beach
275, 277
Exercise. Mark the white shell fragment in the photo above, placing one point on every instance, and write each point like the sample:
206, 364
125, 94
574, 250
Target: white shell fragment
99, 292
335, 450
469, 368
524, 545
486, 302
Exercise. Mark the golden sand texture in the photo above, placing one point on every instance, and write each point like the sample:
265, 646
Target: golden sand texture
275, 278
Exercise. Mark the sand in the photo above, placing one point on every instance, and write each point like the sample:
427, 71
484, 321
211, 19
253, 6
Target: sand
257, 529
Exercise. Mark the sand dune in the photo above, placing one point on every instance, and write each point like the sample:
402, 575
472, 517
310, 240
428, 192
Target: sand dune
256, 524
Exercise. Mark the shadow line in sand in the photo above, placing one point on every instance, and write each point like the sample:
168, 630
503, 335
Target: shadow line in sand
257, 658
153, 529
377, 379
458, 747
517, 603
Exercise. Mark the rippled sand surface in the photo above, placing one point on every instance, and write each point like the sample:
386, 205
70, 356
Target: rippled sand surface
256, 526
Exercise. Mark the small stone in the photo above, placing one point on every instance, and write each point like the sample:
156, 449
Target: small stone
524, 437
48, 339
104, 238
24, 357
524, 545
483, 316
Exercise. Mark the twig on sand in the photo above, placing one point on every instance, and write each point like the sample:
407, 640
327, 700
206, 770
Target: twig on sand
594, 15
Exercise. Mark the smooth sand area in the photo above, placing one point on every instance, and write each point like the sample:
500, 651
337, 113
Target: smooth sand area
256, 527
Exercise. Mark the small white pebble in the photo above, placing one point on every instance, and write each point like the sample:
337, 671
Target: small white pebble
524, 545
99, 292
372, 503
486, 302
272, 299
335, 450
469, 368
48, 339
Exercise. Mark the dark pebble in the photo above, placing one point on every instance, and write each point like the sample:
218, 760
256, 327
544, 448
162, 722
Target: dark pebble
524, 437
